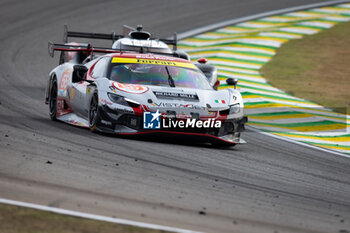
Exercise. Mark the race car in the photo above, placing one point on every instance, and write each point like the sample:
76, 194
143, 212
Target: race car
141, 86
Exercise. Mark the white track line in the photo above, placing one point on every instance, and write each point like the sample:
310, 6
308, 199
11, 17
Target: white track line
94, 216
297, 142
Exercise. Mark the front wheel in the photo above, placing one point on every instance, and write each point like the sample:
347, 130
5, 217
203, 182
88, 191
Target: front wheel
94, 116
53, 99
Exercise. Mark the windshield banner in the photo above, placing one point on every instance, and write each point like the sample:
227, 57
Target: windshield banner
153, 62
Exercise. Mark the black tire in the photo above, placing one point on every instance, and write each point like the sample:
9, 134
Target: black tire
94, 115
53, 99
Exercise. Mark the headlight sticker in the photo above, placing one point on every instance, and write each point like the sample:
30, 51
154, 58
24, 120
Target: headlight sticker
130, 88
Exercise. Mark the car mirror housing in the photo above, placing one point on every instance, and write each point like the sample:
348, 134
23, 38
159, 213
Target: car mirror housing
232, 82
79, 72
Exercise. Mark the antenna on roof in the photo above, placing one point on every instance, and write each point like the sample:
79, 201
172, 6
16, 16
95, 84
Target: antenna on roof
113, 37
139, 34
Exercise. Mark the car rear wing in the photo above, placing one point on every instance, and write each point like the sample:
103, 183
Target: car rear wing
112, 36
88, 48
90, 35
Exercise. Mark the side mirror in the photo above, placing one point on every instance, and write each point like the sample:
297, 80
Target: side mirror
79, 72
232, 82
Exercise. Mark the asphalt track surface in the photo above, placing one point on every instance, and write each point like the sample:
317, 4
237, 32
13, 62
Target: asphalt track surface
267, 185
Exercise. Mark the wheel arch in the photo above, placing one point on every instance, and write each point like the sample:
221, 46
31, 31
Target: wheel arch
49, 85
91, 89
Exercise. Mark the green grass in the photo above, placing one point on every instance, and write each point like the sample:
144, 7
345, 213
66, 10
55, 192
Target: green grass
14, 219
316, 68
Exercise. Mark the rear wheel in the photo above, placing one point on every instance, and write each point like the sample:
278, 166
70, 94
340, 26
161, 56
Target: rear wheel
94, 116
53, 99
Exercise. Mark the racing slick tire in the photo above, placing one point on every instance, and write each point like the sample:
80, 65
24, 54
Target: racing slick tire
94, 113
53, 99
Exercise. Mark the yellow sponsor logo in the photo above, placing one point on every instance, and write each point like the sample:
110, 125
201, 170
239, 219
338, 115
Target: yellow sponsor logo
153, 62
72, 92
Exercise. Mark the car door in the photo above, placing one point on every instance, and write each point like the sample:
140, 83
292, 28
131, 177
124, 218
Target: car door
78, 90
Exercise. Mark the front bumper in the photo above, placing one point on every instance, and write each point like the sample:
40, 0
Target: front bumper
127, 123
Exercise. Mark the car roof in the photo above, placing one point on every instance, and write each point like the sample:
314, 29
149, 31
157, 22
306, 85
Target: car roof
157, 44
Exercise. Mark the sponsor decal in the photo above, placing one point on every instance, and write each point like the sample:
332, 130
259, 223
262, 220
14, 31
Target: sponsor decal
63, 107
64, 80
177, 116
103, 101
173, 114
72, 93
106, 122
178, 105
191, 123
154, 57
88, 90
60, 105
174, 95
153, 62
61, 92
130, 88
123, 110
151, 120
220, 101
112, 88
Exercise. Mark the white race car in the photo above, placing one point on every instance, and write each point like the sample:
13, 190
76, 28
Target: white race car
141, 86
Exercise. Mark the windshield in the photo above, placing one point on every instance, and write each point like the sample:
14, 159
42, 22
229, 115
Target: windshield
158, 75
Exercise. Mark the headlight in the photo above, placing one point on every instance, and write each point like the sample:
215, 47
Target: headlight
236, 108
117, 99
